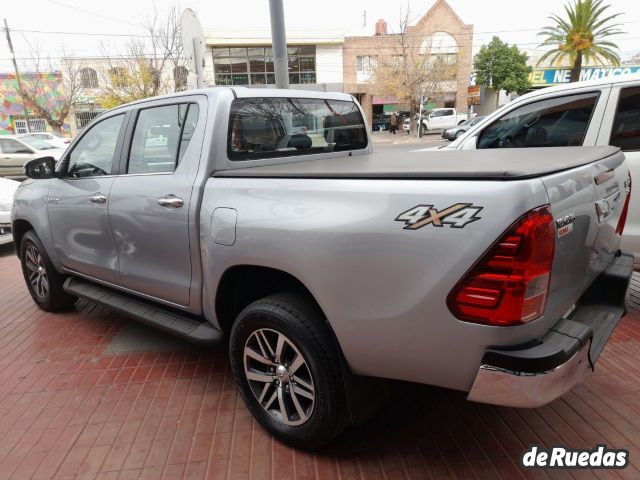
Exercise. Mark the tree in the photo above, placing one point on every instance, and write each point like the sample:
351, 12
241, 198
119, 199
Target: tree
141, 70
582, 36
48, 90
417, 67
501, 66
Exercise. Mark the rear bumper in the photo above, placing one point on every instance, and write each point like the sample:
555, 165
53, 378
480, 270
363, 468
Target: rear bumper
538, 373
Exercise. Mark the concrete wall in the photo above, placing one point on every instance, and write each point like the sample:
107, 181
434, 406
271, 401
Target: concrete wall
329, 66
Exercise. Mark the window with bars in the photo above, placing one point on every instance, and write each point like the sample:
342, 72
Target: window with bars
254, 65
29, 124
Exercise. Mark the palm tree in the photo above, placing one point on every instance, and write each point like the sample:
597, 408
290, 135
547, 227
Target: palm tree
582, 36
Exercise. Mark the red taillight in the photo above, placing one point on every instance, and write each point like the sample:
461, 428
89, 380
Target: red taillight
509, 284
623, 215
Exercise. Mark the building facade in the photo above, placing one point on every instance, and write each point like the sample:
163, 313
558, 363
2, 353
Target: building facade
440, 34
15, 117
246, 59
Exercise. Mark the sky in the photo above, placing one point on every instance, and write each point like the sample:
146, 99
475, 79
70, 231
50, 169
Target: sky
88, 27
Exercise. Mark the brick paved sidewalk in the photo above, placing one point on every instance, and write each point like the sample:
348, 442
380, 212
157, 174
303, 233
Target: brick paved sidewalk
77, 400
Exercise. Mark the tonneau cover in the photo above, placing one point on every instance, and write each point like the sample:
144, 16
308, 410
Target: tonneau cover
492, 164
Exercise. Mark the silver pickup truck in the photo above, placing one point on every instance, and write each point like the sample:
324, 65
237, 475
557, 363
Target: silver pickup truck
263, 218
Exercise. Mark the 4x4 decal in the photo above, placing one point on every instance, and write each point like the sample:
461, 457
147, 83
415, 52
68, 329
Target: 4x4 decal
458, 215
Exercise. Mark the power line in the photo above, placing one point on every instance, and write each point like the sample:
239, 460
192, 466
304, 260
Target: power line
243, 37
89, 12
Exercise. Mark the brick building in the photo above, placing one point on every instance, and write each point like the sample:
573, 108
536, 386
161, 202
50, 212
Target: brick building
440, 31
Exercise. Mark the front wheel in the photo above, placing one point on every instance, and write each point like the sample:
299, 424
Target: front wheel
42, 279
459, 133
286, 366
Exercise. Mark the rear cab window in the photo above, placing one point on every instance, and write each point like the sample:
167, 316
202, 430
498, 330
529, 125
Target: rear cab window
554, 122
279, 127
626, 124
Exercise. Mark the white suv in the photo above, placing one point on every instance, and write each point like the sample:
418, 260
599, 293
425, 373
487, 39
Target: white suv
598, 112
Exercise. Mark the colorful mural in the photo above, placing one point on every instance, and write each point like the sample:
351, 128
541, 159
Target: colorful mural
11, 104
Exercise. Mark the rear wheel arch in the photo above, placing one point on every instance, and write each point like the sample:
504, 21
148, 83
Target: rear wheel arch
242, 285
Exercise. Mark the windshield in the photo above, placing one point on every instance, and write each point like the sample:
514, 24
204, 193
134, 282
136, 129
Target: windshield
37, 143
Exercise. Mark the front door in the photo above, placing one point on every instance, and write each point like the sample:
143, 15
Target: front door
79, 199
150, 200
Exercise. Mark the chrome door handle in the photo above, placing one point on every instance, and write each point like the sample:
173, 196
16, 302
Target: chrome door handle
98, 198
170, 201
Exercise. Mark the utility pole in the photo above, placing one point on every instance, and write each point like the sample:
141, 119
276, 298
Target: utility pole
13, 55
279, 44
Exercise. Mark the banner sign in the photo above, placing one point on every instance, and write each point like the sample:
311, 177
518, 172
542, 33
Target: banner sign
545, 77
473, 95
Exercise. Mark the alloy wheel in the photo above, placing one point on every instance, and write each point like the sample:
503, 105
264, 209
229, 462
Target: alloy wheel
279, 376
36, 271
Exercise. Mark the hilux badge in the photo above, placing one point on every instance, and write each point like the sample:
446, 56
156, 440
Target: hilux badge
565, 224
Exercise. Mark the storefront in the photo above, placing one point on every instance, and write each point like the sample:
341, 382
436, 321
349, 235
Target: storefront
546, 77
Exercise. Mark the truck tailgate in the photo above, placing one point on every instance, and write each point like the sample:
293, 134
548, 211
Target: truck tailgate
586, 203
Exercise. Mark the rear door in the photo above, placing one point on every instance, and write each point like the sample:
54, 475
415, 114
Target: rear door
621, 128
150, 199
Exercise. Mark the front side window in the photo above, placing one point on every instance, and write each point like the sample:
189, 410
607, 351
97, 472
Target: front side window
8, 145
276, 127
626, 124
94, 154
160, 138
556, 122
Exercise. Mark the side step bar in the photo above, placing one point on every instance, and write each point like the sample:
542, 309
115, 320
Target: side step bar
156, 316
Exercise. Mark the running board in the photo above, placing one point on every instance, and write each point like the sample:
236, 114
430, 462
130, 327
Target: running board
156, 316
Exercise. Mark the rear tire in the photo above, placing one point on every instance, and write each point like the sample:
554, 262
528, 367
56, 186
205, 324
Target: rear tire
287, 367
43, 281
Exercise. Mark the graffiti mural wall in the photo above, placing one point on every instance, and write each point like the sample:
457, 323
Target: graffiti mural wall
11, 104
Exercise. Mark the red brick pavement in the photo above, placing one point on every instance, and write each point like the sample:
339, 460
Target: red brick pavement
70, 409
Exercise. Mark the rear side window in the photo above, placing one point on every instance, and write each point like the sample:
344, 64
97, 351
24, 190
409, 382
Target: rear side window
556, 122
277, 127
160, 138
626, 124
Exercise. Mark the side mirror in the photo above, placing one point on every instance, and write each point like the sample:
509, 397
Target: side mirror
40, 168
470, 143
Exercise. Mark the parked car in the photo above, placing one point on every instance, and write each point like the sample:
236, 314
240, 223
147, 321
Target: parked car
597, 112
15, 152
55, 140
380, 122
323, 263
458, 130
438, 119
7, 189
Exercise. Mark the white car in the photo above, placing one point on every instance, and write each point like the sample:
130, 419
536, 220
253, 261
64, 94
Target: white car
55, 140
7, 190
593, 113
16, 151
438, 119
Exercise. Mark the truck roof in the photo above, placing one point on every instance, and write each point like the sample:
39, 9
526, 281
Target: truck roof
492, 164
247, 92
